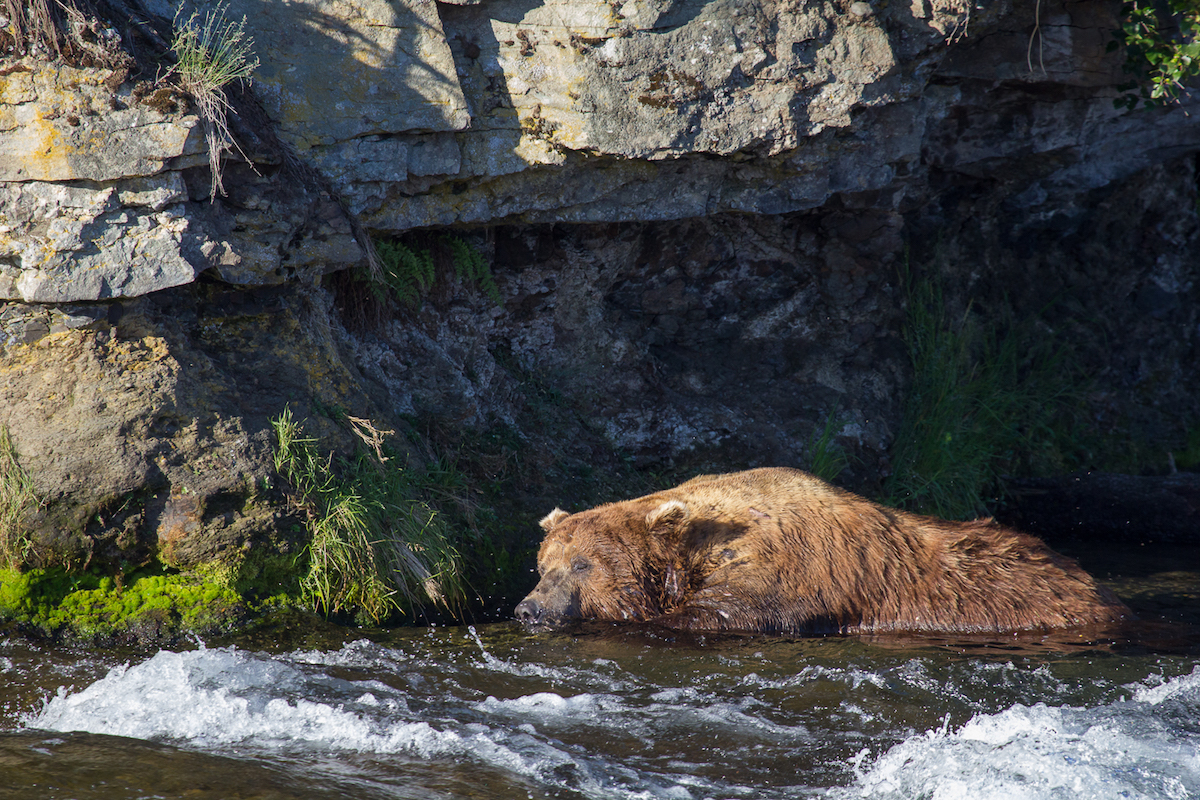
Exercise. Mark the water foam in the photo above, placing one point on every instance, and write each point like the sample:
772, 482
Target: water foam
211, 698
680, 710
1130, 748
231, 701
588, 728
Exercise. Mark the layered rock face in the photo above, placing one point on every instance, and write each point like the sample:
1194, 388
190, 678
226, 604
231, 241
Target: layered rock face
102, 188
696, 213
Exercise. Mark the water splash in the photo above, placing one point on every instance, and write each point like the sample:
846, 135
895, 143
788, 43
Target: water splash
226, 700
1144, 747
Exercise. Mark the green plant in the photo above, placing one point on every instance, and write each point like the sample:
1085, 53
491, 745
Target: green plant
17, 498
374, 549
211, 52
410, 271
1162, 46
90, 606
1188, 458
407, 272
471, 266
982, 403
828, 459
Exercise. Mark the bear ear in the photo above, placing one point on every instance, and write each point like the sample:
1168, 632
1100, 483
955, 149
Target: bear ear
669, 514
553, 518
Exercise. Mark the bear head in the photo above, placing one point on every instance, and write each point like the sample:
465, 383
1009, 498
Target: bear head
609, 563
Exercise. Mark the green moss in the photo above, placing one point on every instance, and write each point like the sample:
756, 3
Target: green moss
164, 598
266, 574
89, 606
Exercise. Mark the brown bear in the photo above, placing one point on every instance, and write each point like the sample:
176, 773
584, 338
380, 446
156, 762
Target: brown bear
778, 550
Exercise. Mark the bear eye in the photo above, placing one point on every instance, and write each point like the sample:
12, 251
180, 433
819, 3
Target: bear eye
580, 564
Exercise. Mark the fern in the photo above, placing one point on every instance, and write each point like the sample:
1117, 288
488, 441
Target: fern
471, 266
409, 273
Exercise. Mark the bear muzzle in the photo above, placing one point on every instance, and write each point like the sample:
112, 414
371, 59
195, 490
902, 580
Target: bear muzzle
529, 612
547, 610
537, 616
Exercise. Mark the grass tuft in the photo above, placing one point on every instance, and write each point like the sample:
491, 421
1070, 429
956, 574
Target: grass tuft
827, 457
17, 498
30, 28
211, 52
67, 31
982, 404
375, 549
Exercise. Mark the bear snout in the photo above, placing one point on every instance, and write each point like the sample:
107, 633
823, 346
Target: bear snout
553, 602
529, 611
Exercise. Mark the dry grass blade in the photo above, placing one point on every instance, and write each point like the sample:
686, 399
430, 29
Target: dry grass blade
32, 28
371, 436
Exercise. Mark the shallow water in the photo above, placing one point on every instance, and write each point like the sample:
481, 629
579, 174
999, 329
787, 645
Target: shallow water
494, 711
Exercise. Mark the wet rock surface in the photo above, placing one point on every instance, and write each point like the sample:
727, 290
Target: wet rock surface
1133, 509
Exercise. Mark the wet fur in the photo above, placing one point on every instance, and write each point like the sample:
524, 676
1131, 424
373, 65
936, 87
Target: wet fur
777, 550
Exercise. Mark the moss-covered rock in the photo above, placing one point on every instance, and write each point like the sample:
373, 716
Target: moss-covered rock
151, 606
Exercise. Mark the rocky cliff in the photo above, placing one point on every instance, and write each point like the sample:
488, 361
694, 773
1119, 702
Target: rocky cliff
698, 216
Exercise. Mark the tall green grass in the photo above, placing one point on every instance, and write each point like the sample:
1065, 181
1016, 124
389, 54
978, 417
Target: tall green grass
17, 498
375, 549
984, 402
827, 458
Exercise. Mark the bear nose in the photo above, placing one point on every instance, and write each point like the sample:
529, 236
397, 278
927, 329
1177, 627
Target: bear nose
529, 611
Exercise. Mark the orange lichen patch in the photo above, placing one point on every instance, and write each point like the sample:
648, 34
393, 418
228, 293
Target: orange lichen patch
59, 123
139, 354
22, 358
180, 518
47, 155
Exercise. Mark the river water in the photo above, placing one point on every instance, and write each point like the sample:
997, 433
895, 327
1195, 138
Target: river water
304, 710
